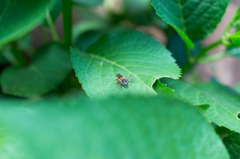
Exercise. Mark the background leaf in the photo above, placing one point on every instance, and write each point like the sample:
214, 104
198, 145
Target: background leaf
191, 19
3, 60
88, 3
232, 142
48, 68
127, 128
224, 102
131, 54
19, 17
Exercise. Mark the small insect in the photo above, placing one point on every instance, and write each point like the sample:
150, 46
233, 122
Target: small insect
122, 80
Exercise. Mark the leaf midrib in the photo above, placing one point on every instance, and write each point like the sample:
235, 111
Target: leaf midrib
114, 63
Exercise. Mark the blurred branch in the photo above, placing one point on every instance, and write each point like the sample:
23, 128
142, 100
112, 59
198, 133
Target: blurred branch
202, 53
52, 27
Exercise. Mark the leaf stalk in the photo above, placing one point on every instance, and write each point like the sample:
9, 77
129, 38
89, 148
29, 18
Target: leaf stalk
51, 26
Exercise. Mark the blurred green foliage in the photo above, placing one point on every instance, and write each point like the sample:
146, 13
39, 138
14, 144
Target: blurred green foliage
52, 116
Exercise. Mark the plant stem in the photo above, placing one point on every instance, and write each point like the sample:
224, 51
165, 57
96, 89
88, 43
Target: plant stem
212, 58
202, 53
67, 21
233, 20
205, 50
189, 58
51, 26
13, 55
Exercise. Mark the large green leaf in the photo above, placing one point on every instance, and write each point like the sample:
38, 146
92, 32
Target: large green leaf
48, 68
224, 102
131, 54
88, 3
191, 19
17, 17
114, 128
232, 142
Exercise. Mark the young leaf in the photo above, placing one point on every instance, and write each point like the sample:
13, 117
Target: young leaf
191, 19
131, 54
233, 39
88, 3
232, 142
19, 17
48, 68
115, 128
224, 102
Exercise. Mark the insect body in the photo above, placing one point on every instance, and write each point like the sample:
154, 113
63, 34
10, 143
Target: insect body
122, 80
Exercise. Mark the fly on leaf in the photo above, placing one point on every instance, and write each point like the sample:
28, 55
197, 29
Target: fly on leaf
122, 80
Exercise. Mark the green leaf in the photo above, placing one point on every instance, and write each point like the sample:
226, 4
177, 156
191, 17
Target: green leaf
191, 19
232, 142
89, 21
134, 6
20, 16
131, 54
233, 51
48, 68
233, 39
114, 128
138, 11
88, 3
237, 87
3, 60
224, 102
87, 39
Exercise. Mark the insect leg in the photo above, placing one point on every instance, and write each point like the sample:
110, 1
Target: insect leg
119, 84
